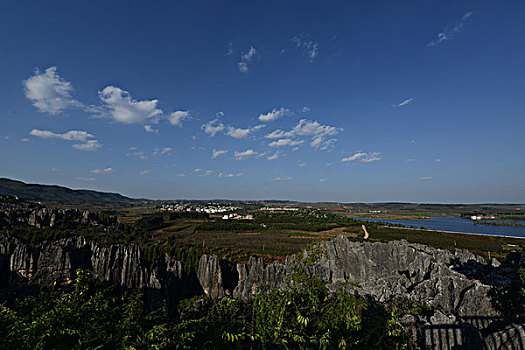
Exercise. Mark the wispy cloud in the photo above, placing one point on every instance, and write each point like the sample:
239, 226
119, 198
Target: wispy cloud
448, 33
237, 133
363, 157
404, 103
246, 154
206, 173
323, 180
218, 152
162, 151
309, 128
49, 92
309, 47
245, 59
91, 145
426, 178
136, 153
274, 114
81, 178
229, 175
282, 178
144, 172
72, 135
285, 142
301, 164
229, 49
150, 129
213, 127
105, 171
180, 175
273, 156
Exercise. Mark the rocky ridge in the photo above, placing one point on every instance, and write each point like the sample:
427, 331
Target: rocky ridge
476, 304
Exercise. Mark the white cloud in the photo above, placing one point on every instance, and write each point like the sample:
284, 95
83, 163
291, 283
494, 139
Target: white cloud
229, 51
148, 128
91, 145
327, 165
238, 133
273, 156
301, 164
72, 135
144, 172
177, 117
274, 114
105, 171
246, 154
160, 152
213, 127
217, 153
438, 160
230, 175
276, 134
323, 180
25, 139
206, 173
363, 157
354, 157
245, 58
449, 33
309, 47
180, 175
409, 160
405, 102
134, 153
123, 108
372, 157
243, 67
285, 142
317, 131
49, 92
249, 55
426, 178
196, 170
81, 178
282, 178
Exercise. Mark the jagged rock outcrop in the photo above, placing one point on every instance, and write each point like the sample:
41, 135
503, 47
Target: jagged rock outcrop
474, 301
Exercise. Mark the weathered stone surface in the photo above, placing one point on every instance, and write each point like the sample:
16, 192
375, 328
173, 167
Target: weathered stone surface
474, 299
210, 276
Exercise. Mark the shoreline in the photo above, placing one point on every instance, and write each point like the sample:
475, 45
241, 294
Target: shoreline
461, 233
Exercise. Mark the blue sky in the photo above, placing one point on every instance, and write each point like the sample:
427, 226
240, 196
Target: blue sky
348, 101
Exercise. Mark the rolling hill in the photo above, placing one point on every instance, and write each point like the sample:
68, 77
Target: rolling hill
59, 194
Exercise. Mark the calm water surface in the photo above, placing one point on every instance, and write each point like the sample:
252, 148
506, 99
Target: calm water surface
452, 224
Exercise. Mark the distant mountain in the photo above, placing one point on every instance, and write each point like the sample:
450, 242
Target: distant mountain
59, 194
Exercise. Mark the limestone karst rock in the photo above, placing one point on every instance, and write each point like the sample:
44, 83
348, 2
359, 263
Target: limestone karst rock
473, 299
